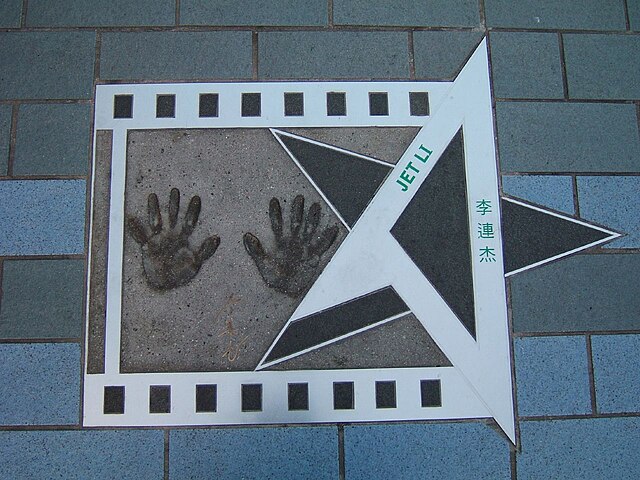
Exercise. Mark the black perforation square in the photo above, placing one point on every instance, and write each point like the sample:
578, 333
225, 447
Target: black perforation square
113, 400
430, 393
206, 398
165, 106
378, 104
343, 396
160, 399
208, 106
298, 396
252, 398
419, 104
251, 105
293, 104
336, 104
386, 394
123, 106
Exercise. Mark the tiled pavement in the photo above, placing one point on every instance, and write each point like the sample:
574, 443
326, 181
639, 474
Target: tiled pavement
566, 79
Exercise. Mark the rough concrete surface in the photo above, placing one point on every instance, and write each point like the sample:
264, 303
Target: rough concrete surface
226, 317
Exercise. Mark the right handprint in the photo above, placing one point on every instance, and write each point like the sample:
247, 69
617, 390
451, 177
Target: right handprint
292, 265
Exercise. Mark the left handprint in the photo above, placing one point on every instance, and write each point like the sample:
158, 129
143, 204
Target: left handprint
168, 259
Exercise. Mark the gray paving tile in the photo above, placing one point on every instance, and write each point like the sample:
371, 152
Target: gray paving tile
616, 363
571, 14
446, 450
580, 293
56, 64
553, 191
175, 55
248, 12
96, 454
41, 384
255, 453
552, 375
10, 13
304, 55
435, 61
634, 14
95, 13
614, 202
579, 449
5, 137
52, 140
526, 65
567, 137
42, 217
615, 59
430, 13
42, 299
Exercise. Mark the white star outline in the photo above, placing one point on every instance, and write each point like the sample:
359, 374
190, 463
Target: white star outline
370, 258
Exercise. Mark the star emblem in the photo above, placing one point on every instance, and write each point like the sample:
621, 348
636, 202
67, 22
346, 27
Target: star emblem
432, 237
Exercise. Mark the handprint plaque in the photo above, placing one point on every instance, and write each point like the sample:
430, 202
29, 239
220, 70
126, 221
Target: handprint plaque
293, 263
168, 259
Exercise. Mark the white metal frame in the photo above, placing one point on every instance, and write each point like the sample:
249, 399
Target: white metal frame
478, 385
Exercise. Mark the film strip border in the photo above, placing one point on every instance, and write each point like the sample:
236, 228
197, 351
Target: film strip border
279, 397
299, 104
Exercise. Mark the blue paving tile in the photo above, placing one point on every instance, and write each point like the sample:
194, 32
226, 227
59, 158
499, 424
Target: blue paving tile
616, 363
260, 453
429, 13
90, 13
526, 65
580, 449
552, 375
580, 293
573, 14
42, 299
56, 64
432, 61
615, 59
614, 202
248, 12
175, 55
304, 55
567, 137
42, 217
94, 454
10, 12
40, 384
5, 134
52, 140
451, 451
553, 191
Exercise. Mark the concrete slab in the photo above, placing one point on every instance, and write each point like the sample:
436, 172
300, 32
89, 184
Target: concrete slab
228, 315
